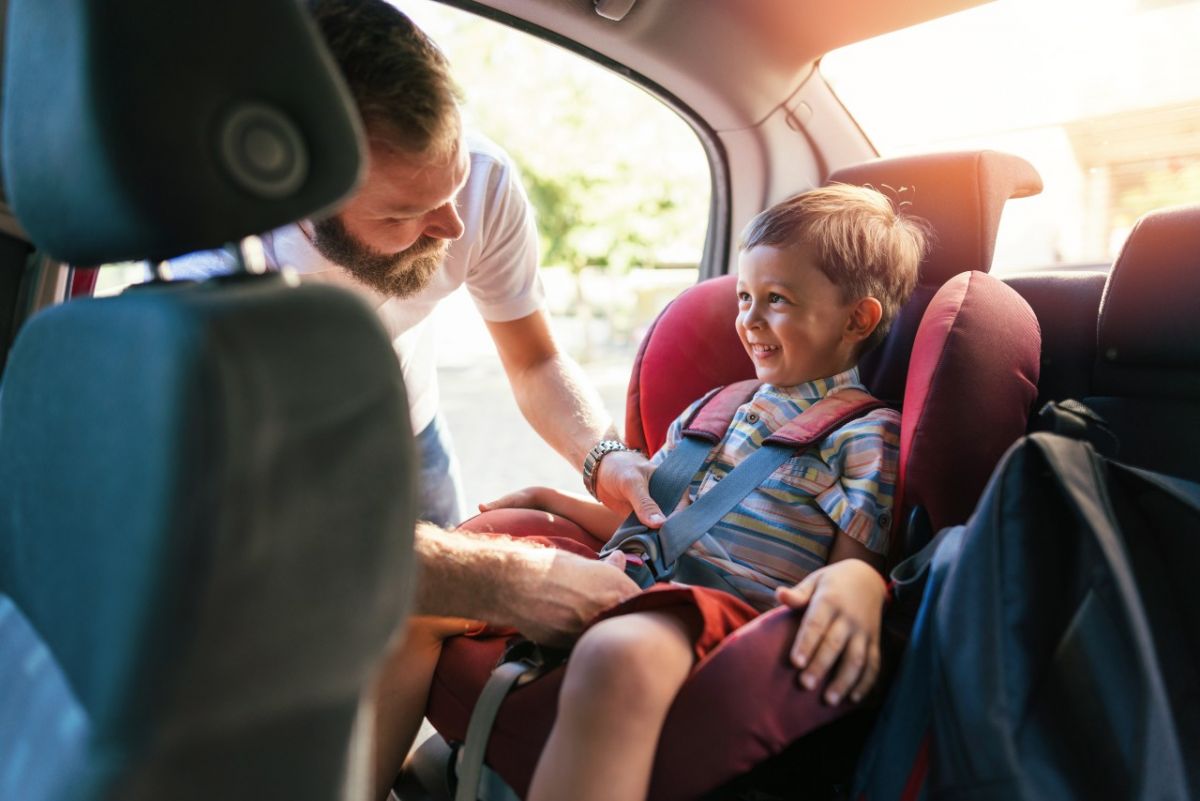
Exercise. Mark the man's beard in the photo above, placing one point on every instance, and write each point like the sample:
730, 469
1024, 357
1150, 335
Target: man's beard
399, 275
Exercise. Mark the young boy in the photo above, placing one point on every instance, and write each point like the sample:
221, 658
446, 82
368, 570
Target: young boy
820, 278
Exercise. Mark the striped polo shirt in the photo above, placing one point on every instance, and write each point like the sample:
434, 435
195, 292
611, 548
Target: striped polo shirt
785, 528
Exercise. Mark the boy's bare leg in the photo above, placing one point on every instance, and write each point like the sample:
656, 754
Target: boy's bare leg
401, 692
620, 682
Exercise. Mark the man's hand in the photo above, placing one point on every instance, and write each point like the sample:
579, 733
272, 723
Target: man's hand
559, 593
623, 485
845, 610
546, 594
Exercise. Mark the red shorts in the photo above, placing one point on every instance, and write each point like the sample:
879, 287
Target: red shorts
710, 615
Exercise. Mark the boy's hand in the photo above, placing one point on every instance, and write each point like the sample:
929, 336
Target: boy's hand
845, 607
527, 498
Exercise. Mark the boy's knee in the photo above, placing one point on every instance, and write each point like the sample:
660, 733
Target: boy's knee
626, 661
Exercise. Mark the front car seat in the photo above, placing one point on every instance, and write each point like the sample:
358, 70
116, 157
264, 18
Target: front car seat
206, 489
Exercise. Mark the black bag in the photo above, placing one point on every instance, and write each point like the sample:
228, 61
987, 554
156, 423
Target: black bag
1055, 648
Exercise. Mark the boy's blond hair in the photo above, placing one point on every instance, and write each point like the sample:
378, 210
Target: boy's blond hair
861, 243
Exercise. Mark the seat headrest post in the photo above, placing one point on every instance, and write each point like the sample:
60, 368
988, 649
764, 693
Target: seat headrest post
248, 255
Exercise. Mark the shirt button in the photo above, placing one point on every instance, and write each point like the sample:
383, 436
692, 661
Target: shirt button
752, 417
716, 478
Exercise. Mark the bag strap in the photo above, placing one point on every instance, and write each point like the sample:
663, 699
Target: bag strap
685, 527
1074, 419
1079, 471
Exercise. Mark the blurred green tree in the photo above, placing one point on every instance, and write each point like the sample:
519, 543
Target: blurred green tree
617, 179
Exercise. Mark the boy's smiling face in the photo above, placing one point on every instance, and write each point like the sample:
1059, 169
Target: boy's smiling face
793, 321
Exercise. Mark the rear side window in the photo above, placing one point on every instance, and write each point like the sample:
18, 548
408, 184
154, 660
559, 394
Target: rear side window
1099, 95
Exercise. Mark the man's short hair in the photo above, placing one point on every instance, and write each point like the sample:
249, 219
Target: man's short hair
399, 78
859, 239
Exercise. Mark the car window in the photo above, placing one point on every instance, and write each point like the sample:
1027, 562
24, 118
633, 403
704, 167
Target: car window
1100, 95
621, 188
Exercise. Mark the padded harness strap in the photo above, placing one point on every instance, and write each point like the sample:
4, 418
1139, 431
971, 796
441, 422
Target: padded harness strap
659, 551
479, 729
522, 662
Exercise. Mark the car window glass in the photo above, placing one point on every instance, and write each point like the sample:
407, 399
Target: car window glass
620, 185
1100, 95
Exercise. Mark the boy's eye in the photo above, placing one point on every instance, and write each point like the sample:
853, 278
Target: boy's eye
775, 297
743, 297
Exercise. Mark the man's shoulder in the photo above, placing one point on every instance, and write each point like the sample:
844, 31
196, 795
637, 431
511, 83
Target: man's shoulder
491, 165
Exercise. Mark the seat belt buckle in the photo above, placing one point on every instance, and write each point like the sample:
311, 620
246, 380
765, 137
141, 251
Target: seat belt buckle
643, 559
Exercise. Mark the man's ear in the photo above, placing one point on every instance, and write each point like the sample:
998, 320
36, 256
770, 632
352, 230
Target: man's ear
864, 318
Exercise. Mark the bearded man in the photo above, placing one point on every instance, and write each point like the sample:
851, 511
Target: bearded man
440, 208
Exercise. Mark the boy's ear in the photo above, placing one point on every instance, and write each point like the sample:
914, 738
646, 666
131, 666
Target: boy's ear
864, 317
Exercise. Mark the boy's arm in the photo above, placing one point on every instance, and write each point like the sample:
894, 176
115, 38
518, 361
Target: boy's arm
846, 547
594, 518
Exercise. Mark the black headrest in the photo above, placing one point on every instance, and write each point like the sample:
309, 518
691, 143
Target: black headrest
141, 129
1148, 314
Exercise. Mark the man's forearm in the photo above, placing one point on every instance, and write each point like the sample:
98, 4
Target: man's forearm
563, 407
460, 575
547, 594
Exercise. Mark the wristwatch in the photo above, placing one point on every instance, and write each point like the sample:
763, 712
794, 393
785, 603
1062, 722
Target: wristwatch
591, 462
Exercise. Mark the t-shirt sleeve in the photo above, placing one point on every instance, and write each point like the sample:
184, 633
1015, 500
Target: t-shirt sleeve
504, 280
199, 265
864, 454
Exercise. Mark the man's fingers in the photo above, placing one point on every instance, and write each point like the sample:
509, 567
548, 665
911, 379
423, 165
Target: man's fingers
647, 510
832, 644
850, 668
616, 559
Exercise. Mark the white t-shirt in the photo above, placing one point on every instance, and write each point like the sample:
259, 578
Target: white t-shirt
496, 257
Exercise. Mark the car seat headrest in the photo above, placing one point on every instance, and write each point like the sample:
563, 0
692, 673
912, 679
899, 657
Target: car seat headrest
960, 194
691, 348
971, 384
1148, 322
138, 129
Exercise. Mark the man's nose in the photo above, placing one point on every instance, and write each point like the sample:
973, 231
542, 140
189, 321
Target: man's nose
444, 223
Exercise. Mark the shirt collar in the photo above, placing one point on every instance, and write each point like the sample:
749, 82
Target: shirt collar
812, 391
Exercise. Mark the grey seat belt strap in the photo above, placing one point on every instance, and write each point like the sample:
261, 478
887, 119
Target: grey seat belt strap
682, 529
479, 729
667, 484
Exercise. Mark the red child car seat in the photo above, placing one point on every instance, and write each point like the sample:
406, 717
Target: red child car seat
715, 730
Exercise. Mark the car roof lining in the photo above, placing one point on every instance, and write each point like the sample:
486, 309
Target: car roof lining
736, 62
